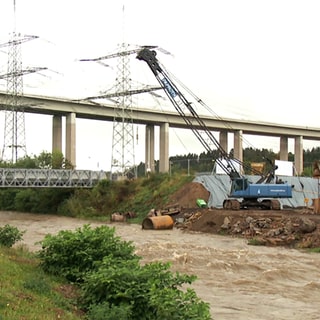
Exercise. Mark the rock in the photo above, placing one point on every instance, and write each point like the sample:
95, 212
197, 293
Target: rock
306, 225
226, 223
118, 217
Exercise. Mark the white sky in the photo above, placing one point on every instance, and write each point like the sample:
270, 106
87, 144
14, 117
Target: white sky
256, 60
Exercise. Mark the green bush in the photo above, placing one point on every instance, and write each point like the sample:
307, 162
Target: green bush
9, 235
7, 198
113, 283
27, 200
74, 253
78, 204
149, 292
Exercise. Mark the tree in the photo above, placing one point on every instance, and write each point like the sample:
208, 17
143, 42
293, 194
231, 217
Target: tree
55, 160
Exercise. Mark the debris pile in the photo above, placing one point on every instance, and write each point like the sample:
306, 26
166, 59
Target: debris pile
266, 229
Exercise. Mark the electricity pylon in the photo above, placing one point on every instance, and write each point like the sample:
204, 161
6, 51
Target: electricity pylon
123, 151
123, 155
14, 143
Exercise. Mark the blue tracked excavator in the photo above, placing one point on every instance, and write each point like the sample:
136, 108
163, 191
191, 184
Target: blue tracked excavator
263, 194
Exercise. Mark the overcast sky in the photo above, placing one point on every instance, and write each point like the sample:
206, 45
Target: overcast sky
255, 60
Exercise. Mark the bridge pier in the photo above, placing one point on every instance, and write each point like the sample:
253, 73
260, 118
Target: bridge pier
223, 139
284, 148
237, 146
149, 149
164, 148
298, 154
71, 138
57, 133
70, 146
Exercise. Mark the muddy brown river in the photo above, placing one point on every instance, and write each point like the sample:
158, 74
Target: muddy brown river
238, 281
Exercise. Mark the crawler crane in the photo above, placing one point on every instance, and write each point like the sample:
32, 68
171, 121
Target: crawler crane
243, 194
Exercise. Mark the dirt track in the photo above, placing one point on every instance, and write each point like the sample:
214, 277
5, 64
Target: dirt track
239, 281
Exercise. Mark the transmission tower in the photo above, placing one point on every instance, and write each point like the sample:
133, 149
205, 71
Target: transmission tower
123, 156
123, 151
14, 143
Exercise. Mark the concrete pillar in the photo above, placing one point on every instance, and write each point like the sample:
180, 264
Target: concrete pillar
164, 148
298, 154
71, 138
149, 149
57, 133
284, 148
237, 145
223, 140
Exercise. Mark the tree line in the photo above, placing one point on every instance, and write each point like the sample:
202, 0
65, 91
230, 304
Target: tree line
204, 162
189, 163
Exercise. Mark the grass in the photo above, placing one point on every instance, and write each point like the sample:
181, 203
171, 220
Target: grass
256, 242
27, 293
314, 250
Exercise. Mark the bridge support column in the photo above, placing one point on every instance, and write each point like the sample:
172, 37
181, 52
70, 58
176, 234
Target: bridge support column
71, 138
223, 140
284, 148
237, 146
57, 133
164, 148
149, 149
298, 154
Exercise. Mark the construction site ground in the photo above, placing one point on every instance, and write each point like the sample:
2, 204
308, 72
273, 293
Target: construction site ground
292, 227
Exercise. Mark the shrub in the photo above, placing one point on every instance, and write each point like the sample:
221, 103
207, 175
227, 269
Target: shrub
9, 235
73, 253
113, 283
26, 200
148, 292
7, 198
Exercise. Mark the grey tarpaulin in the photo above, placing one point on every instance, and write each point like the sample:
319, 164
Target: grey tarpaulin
219, 186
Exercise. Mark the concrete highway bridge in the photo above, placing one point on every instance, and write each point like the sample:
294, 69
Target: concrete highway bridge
71, 110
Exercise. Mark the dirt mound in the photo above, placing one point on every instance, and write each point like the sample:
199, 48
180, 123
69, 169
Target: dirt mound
187, 196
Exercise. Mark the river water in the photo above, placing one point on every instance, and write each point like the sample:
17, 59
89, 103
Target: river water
239, 281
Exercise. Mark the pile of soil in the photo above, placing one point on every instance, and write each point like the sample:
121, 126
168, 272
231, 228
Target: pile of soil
287, 227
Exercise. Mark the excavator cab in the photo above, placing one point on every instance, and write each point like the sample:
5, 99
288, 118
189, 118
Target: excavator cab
239, 184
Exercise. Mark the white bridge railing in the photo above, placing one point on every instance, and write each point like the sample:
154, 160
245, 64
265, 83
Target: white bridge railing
59, 178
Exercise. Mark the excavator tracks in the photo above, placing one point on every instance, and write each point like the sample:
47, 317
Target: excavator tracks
266, 204
231, 204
